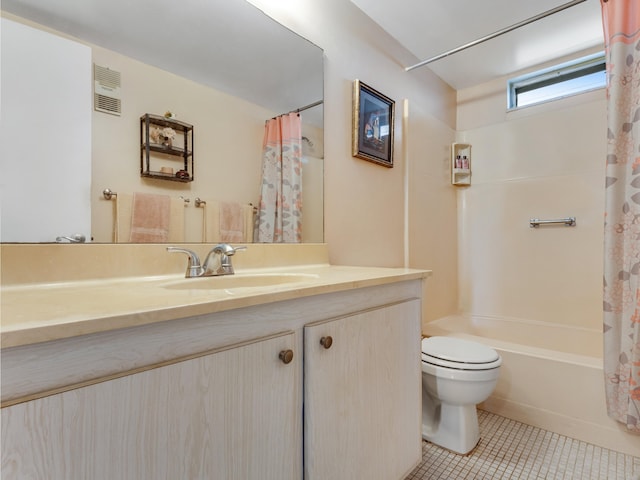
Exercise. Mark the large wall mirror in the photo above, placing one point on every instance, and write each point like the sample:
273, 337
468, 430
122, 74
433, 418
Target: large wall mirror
222, 66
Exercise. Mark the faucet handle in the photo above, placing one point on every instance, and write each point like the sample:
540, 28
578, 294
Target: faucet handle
235, 249
219, 257
226, 249
194, 269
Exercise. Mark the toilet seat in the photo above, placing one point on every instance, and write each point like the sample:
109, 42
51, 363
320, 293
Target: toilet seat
460, 365
458, 354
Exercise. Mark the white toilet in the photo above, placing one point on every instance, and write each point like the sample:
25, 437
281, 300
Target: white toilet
456, 375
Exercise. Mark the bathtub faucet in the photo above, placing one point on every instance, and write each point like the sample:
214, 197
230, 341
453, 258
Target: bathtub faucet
218, 261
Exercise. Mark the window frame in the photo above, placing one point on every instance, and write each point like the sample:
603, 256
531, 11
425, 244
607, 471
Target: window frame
555, 75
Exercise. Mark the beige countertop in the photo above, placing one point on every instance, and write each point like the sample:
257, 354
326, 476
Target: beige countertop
39, 312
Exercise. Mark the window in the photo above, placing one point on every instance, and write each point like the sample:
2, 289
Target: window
579, 76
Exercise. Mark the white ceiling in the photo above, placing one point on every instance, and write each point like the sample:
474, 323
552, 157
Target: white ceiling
220, 43
199, 39
430, 27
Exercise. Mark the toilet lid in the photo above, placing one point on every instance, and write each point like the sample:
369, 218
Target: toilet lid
457, 353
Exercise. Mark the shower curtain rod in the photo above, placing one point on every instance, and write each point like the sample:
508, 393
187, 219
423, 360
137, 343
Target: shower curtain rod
496, 34
311, 105
301, 109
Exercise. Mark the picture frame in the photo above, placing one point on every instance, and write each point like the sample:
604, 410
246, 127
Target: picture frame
373, 122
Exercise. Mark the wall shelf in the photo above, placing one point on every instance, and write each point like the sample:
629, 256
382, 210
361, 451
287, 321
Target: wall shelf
159, 153
461, 164
165, 176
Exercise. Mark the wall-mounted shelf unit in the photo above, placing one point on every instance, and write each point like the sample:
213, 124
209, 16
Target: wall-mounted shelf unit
461, 164
163, 143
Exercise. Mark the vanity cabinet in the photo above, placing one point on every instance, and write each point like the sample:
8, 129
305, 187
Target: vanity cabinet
220, 395
166, 148
363, 395
225, 415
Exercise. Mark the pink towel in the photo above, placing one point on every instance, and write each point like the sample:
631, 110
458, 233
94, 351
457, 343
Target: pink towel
150, 218
231, 222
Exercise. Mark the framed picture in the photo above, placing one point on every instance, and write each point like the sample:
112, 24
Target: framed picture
373, 115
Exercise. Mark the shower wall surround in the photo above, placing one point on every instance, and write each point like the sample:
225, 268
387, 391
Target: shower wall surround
545, 161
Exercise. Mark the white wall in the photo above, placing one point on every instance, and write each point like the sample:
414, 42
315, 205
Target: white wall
543, 161
45, 139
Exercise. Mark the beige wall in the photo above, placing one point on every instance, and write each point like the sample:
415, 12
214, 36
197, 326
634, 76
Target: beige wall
227, 158
364, 202
228, 134
543, 161
432, 212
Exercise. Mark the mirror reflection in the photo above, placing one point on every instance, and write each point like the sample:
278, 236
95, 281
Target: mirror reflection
76, 83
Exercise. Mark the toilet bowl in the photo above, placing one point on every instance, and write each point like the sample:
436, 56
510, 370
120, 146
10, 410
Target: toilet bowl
456, 375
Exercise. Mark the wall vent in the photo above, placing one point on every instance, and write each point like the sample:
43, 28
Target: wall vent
106, 90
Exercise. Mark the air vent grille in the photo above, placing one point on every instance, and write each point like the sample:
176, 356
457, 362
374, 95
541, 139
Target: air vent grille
106, 96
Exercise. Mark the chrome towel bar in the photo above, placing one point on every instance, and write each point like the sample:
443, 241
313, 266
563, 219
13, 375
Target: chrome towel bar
567, 222
109, 194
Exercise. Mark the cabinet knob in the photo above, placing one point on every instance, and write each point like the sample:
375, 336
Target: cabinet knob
326, 342
286, 356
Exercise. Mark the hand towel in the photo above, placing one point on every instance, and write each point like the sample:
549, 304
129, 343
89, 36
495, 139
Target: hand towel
150, 218
232, 222
249, 222
212, 225
122, 223
177, 220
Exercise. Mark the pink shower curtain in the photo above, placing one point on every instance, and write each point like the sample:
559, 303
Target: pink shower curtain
621, 22
280, 212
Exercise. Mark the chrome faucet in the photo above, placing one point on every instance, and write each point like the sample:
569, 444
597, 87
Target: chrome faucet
75, 238
218, 261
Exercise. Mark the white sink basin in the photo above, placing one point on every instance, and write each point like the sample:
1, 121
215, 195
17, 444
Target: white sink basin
249, 280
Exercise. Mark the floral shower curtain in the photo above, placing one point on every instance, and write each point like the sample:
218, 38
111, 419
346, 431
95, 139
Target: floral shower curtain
621, 22
280, 211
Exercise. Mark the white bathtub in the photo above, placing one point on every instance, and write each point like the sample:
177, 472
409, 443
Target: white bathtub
551, 376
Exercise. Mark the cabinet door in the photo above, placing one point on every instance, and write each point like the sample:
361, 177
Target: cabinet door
234, 414
363, 394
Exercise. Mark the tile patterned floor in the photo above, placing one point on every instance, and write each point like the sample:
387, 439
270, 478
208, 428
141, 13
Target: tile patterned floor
512, 450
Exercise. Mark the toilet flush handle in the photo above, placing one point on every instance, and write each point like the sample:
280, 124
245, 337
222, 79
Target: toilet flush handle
326, 342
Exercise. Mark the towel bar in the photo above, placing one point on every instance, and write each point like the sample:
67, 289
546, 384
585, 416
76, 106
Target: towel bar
109, 195
201, 203
567, 222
